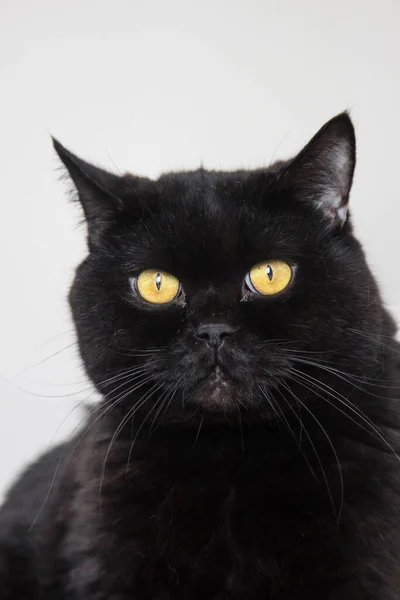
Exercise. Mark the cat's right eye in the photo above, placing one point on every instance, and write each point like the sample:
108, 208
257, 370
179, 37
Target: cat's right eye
157, 287
269, 278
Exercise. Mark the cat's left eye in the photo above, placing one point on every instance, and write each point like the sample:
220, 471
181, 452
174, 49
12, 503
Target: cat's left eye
157, 287
269, 277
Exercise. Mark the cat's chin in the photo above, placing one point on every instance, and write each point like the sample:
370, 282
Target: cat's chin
217, 393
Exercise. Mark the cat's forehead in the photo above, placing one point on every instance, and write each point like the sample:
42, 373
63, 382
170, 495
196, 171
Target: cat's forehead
203, 195
205, 205
216, 220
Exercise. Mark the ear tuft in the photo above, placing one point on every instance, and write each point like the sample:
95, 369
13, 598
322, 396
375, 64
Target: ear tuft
322, 173
98, 192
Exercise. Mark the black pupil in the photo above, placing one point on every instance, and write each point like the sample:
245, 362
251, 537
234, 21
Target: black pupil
158, 281
269, 272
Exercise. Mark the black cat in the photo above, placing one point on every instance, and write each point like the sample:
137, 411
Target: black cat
246, 446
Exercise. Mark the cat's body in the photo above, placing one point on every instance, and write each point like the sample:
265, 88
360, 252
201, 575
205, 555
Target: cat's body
247, 445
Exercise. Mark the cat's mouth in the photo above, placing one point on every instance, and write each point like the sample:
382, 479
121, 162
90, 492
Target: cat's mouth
217, 392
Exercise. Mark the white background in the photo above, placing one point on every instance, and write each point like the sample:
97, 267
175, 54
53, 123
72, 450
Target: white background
154, 85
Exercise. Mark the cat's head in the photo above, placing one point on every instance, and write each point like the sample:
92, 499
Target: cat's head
204, 291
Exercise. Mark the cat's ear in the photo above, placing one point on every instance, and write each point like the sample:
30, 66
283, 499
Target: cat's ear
100, 193
322, 173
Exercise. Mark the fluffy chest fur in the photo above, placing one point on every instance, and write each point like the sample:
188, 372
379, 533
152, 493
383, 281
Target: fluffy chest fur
232, 517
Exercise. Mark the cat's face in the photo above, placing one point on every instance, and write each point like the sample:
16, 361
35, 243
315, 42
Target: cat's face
203, 289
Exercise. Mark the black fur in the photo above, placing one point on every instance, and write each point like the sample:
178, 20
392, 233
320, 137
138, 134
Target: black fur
266, 469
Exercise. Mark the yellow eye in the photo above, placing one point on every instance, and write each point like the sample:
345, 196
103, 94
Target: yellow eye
157, 287
269, 277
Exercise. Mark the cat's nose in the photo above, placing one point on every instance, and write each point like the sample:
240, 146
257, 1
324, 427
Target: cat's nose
214, 333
